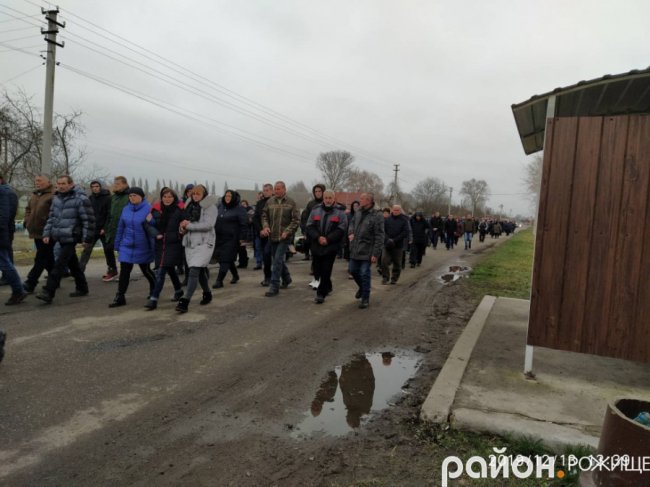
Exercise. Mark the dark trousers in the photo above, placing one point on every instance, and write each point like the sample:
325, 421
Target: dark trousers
279, 269
394, 257
323, 265
434, 240
161, 272
224, 267
43, 260
360, 270
243, 256
125, 276
67, 258
450, 240
267, 257
417, 251
109, 255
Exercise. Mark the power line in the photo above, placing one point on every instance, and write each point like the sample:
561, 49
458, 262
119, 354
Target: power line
21, 74
14, 30
14, 48
177, 110
197, 92
16, 18
222, 89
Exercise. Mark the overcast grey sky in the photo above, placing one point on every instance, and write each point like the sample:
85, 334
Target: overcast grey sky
426, 84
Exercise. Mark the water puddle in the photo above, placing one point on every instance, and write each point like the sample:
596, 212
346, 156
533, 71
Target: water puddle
455, 272
350, 394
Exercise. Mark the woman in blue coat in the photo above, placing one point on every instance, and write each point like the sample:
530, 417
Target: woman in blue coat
134, 244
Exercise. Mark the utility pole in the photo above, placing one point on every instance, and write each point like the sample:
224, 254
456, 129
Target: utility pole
395, 184
451, 190
48, 112
500, 210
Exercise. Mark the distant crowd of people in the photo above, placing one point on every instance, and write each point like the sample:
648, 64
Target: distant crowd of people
178, 236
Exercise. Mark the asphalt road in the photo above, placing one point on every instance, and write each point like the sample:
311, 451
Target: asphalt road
96, 396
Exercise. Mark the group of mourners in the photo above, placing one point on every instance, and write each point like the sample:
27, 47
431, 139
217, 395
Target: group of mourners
183, 234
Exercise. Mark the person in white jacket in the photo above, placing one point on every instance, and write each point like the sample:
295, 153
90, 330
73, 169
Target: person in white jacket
198, 239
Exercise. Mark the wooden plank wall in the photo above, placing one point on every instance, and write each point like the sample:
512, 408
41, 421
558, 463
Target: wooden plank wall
591, 275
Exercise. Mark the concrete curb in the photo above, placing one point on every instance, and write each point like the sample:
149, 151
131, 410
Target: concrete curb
437, 406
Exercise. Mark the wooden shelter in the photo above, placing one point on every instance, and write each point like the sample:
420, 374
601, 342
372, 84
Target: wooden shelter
590, 291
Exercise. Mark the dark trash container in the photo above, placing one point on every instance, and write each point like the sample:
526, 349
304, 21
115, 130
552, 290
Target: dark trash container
621, 435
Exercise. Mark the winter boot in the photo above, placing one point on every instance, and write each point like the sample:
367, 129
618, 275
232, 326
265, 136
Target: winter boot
151, 304
119, 300
183, 305
207, 297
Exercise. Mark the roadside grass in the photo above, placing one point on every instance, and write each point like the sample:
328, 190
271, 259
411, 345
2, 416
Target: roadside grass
507, 271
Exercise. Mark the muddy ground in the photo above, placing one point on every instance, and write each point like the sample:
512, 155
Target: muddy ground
95, 396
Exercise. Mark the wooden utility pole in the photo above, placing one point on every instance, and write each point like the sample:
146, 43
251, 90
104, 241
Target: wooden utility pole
48, 112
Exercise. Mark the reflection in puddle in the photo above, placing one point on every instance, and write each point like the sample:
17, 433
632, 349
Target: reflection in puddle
350, 393
455, 273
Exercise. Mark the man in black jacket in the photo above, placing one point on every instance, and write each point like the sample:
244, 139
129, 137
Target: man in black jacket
437, 228
100, 199
267, 192
317, 192
396, 231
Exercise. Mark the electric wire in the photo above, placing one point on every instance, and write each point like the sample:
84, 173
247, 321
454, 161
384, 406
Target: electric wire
222, 89
177, 111
21, 74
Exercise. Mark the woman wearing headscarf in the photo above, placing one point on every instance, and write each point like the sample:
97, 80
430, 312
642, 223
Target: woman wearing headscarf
230, 228
133, 244
198, 239
165, 218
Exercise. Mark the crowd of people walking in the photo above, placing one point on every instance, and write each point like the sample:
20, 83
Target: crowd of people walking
181, 235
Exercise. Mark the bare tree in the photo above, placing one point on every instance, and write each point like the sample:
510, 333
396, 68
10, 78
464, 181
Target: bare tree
21, 127
476, 191
298, 187
430, 194
533, 177
365, 181
335, 166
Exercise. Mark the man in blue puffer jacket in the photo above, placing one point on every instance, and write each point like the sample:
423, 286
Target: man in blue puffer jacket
71, 221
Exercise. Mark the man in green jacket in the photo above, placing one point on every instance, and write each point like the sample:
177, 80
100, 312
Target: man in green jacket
280, 220
119, 199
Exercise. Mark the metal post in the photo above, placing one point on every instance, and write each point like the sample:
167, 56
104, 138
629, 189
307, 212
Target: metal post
48, 112
449, 205
528, 359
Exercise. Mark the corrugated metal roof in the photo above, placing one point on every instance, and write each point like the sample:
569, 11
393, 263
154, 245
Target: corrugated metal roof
618, 94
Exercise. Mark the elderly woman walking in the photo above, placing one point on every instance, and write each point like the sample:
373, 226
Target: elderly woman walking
198, 239
133, 244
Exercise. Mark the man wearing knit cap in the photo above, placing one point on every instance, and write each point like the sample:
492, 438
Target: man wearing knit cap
100, 199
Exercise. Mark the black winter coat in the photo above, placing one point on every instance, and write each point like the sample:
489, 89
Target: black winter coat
8, 207
396, 229
230, 228
330, 223
421, 230
169, 249
101, 204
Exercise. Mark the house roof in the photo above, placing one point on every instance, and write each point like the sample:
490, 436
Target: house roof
620, 94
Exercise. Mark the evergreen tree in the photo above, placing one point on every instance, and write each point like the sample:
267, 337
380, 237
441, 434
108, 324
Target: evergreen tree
139, 182
213, 189
146, 187
133, 182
